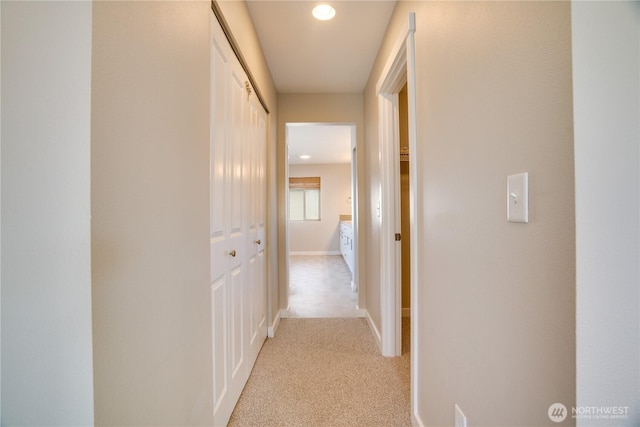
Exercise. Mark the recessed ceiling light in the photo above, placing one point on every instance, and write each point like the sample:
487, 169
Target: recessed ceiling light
304, 156
324, 12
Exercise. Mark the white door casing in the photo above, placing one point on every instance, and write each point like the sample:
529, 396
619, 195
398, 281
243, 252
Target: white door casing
237, 223
390, 247
355, 197
399, 69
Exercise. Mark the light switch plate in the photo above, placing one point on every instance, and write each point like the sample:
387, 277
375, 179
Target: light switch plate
518, 198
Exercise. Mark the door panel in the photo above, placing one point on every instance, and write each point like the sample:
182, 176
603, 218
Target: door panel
235, 328
261, 212
262, 306
255, 241
252, 288
237, 182
219, 231
236, 161
220, 370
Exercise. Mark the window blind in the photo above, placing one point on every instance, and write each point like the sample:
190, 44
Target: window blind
305, 183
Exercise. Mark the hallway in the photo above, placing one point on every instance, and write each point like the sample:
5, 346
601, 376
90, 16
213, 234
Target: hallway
320, 286
326, 372
111, 211
323, 368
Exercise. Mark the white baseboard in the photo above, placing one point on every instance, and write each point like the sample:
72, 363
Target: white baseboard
361, 312
314, 253
271, 330
416, 420
406, 312
374, 330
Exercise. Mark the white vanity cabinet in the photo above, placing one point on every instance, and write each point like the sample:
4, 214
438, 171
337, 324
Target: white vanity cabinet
346, 243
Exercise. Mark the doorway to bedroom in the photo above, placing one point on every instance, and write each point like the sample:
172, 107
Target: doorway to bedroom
321, 220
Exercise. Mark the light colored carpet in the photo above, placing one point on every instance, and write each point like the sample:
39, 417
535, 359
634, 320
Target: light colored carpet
325, 372
320, 286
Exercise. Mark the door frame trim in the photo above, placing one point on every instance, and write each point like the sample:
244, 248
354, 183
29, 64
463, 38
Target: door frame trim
355, 213
399, 69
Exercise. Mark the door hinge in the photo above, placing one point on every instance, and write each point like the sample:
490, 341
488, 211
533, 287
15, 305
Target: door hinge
398, 237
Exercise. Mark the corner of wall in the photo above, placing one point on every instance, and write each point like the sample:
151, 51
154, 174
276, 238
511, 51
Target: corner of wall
374, 329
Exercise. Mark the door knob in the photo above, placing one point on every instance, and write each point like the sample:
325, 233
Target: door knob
257, 242
233, 253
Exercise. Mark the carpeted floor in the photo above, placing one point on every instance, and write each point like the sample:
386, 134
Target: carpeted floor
326, 372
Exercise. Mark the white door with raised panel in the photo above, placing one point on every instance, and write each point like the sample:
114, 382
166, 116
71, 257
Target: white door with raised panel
238, 277
257, 144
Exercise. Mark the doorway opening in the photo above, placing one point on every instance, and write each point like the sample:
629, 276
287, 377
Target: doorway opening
405, 217
321, 221
398, 73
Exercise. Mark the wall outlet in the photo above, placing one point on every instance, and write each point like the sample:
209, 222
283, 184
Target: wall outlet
461, 420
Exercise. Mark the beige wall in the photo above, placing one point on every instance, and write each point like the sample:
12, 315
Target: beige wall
371, 193
150, 207
150, 213
237, 17
496, 300
335, 189
317, 108
606, 65
47, 372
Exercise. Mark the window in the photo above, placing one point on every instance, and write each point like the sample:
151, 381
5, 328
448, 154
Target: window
304, 199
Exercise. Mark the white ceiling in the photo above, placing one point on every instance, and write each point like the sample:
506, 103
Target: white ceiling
324, 143
310, 56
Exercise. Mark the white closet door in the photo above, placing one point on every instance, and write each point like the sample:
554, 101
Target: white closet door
257, 328
238, 276
261, 196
